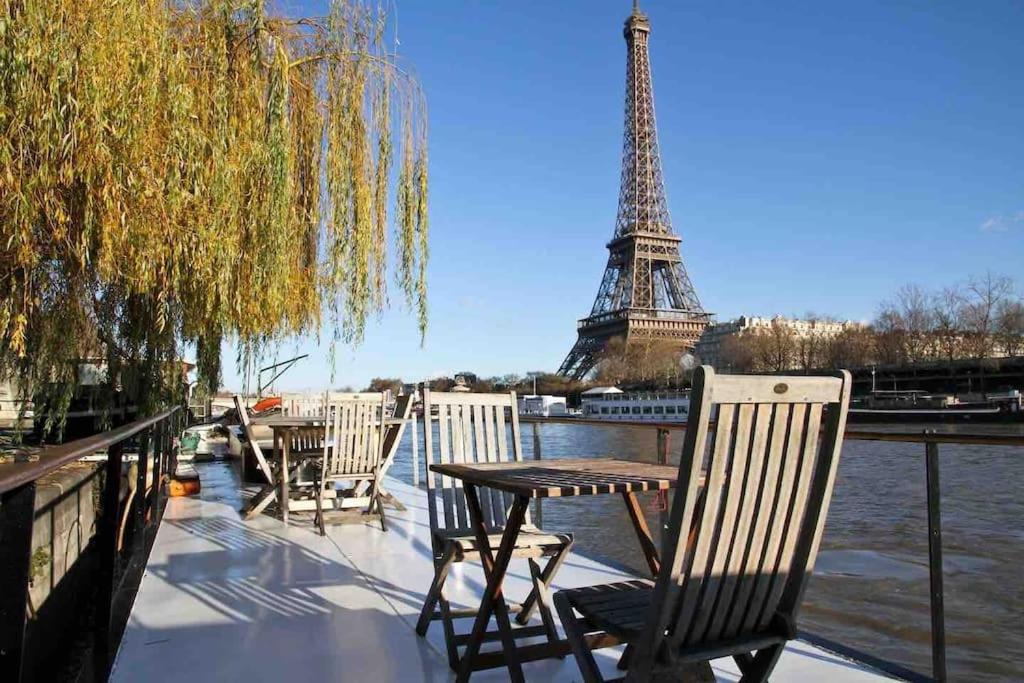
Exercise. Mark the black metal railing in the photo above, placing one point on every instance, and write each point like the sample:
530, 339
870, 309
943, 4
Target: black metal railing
931, 441
152, 438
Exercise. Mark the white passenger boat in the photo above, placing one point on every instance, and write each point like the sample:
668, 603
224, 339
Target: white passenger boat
609, 403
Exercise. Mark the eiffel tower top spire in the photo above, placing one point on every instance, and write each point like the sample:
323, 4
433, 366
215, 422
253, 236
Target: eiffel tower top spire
642, 203
645, 292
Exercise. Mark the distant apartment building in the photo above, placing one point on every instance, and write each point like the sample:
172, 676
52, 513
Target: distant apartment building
709, 346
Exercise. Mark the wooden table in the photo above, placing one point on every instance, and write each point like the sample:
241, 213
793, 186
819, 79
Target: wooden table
283, 428
547, 479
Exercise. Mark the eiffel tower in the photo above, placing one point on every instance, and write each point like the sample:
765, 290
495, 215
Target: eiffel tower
645, 293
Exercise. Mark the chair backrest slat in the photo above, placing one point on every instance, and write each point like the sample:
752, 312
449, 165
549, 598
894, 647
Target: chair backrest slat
740, 547
444, 446
740, 551
790, 531
353, 444
736, 469
458, 426
491, 438
471, 428
779, 518
706, 539
501, 428
303, 405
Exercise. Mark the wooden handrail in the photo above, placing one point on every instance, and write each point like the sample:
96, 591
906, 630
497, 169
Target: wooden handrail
13, 475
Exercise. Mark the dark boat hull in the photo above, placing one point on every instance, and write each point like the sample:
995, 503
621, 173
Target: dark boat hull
938, 416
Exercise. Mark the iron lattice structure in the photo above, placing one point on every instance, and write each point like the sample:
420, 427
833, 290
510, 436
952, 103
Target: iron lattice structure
645, 293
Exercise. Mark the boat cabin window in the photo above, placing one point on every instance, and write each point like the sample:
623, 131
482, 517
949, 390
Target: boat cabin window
636, 410
615, 410
647, 410
604, 410
670, 410
658, 410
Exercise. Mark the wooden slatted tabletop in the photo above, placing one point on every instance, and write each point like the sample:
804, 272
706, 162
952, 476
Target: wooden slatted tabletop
569, 477
285, 422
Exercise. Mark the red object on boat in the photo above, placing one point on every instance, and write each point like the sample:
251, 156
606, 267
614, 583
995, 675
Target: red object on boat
266, 404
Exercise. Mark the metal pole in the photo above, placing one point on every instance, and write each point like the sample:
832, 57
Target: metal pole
663, 448
156, 447
141, 499
415, 451
935, 562
537, 456
17, 513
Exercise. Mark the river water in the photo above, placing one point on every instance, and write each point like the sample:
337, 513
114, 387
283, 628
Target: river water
870, 587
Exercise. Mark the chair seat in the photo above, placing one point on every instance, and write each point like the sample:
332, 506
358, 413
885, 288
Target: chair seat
306, 453
619, 608
529, 537
363, 476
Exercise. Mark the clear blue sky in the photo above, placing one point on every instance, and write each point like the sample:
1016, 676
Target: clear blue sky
817, 156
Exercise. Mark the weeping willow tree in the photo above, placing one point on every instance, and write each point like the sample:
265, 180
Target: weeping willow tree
180, 172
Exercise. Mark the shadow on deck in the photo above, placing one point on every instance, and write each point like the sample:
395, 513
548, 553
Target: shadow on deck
224, 599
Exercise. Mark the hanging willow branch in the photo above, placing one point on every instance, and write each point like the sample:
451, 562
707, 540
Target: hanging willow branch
185, 171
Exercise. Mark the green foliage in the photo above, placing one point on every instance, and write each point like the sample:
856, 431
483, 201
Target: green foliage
184, 171
392, 384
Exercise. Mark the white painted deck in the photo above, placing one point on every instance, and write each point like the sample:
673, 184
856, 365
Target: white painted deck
226, 600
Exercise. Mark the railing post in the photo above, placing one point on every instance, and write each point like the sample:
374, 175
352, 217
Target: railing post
537, 456
415, 451
171, 437
106, 539
938, 610
663, 448
17, 512
158, 469
141, 499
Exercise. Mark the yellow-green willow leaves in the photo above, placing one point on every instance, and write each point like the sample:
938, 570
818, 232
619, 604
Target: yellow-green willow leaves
180, 171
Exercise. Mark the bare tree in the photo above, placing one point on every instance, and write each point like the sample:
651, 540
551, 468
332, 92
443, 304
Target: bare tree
947, 323
737, 353
853, 347
654, 362
890, 334
983, 298
775, 347
809, 350
915, 315
1010, 327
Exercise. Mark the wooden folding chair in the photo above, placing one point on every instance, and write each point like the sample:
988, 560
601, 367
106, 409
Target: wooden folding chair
353, 450
739, 552
269, 493
305, 442
392, 440
474, 428
303, 404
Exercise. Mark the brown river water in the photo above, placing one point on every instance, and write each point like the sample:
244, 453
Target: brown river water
870, 587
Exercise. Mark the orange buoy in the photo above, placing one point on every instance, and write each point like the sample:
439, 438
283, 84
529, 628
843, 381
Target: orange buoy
184, 487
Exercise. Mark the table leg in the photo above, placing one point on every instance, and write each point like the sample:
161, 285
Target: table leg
275, 456
283, 498
266, 496
643, 534
494, 569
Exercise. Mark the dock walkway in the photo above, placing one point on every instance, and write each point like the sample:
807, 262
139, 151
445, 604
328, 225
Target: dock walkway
226, 600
